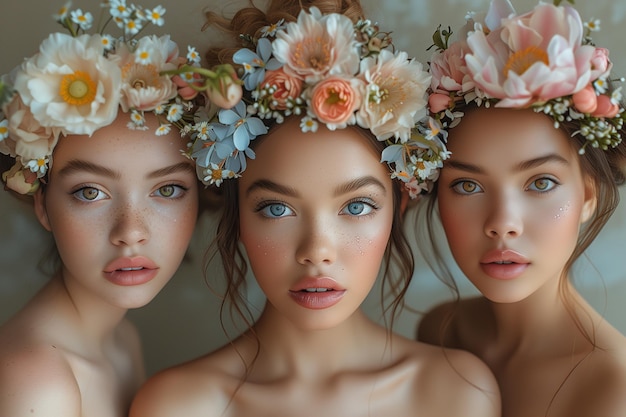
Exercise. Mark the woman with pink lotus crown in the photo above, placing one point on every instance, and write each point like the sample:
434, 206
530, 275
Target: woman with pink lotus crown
316, 212
534, 126
90, 136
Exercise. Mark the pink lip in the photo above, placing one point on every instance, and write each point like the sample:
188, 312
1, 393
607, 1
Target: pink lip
515, 264
317, 293
129, 271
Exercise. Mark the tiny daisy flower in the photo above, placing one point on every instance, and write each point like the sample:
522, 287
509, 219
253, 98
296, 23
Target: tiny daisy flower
600, 85
4, 129
164, 129
83, 20
38, 166
308, 124
160, 109
118, 8
137, 118
593, 25
175, 113
132, 26
62, 13
273, 28
156, 15
143, 56
193, 55
108, 42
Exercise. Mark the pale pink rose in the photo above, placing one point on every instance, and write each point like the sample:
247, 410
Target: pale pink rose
20, 180
534, 57
606, 108
317, 45
185, 91
226, 90
600, 63
448, 68
334, 101
27, 137
438, 102
586, 100
286, 86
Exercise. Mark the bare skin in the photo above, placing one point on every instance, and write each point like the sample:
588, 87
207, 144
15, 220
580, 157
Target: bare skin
318, 222
121, 206
523, 328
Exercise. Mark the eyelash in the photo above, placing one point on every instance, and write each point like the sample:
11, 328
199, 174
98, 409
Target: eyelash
262, 206
367, 202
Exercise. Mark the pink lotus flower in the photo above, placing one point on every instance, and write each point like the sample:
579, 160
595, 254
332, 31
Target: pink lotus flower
532, 58
285, 85
334, 101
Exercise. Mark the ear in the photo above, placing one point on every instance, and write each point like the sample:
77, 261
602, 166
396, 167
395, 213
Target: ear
39, 203
591, 200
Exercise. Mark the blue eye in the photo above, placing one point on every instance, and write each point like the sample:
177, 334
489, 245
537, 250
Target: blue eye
542, 185
276, 210
466, 187
89, 194
357, 208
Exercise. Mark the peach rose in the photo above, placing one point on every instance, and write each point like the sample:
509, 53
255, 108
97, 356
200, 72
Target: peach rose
438, 102
286, 87
606, 108
334, 101
586, 100
184, 88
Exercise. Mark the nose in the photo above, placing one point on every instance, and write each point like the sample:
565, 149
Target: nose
317, 244
129, 227
504, 218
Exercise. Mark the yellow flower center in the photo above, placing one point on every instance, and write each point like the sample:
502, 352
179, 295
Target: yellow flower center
520, 61
312, 53
77, 89
216, 174
41, 162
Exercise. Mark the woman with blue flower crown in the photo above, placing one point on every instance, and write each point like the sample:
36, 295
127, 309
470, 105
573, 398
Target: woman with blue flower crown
314, 213
90, 136
535, 130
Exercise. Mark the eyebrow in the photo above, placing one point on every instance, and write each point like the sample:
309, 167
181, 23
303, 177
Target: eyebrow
77, 165
339, 190
522, 166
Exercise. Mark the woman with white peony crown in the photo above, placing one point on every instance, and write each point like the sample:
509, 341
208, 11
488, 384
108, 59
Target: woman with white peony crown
90, 136
312, 166
535, 129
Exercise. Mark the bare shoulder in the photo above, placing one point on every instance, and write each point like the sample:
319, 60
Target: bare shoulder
440, 374
37, 381
443, 324
201, 387
598, 385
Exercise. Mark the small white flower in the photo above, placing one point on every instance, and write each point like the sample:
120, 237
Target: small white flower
308, 124
83, 20
156, 15
164, 129
38, 166
62, 13
593, 25
193, 55
4, 129
175, 113
118, 8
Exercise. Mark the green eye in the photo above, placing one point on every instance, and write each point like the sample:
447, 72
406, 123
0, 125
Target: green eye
167, 190
89, 194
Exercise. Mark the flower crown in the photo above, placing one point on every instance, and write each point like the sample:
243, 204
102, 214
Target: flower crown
325, 69
543, 59
77, 82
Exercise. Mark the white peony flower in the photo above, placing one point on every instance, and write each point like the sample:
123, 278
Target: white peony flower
143, 88
69, 84
395, 91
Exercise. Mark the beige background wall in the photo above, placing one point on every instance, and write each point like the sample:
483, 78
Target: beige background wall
182, 322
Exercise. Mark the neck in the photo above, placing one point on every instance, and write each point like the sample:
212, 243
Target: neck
546, 323
289, 351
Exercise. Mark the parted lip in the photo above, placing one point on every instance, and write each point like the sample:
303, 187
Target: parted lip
504, 255
130, 263
309, 283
